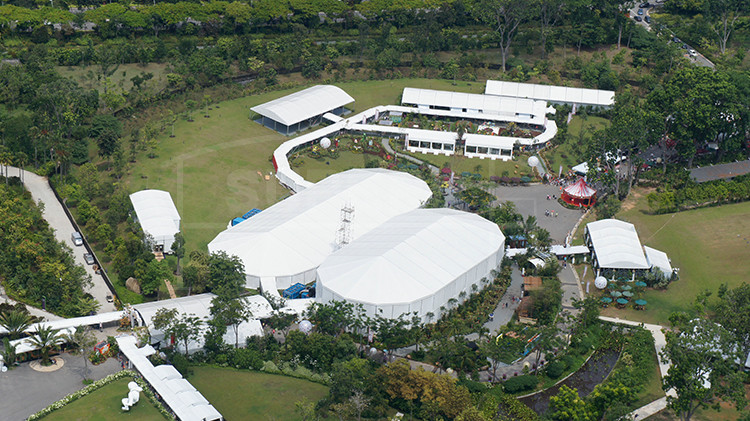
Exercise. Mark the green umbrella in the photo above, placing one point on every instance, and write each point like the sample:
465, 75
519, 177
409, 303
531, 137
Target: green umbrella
627, 294
640, 284
611, 286
627, 280
622, 301
606, 300
641, 302
616, 293
627, 288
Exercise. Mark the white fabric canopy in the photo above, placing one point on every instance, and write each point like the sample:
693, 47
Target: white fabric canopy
487, 104
289, 240
558, 94
299, 106
414, 262
658, 259
157, 215
616, 245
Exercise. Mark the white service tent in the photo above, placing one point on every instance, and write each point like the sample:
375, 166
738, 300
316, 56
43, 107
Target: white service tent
555, 94
302, 109
414, 262
289, 240
157, 215
659, 260
615, 245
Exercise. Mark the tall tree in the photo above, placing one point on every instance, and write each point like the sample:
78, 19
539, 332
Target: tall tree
231, 312
178, 249
226, 274
15, 322
548, 12
45, 339
723, 15
82, 340
504, 16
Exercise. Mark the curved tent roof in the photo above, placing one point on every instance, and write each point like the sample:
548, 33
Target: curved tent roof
580, 189
550, 93
308, 103
298, 233
156, 213
616, 245
410, 257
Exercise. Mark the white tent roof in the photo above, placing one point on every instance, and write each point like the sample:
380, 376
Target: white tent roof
560, 250
616, 245
298, 233
304, 104
489, 104
658, 259
156, 213
411, 256
550, 93
490, 141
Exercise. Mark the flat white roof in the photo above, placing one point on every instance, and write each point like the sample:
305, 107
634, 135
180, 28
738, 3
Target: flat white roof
308, 103
550, 93
490, 141
295, 235
410, 257
658, 259
488, 104
156, 213
616, 245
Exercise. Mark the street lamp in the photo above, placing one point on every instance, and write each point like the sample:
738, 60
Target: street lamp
44, 303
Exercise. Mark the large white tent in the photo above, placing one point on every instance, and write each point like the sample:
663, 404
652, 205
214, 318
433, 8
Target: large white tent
553, 94
615, 245
302, 109
414, 262
289, 240
157, 215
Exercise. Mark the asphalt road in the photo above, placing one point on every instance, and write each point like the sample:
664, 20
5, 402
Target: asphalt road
60, 224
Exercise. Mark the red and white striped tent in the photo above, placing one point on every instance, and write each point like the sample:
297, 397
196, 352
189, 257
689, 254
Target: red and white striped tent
579, 194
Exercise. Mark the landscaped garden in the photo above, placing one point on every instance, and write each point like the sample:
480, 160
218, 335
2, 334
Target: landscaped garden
251, 395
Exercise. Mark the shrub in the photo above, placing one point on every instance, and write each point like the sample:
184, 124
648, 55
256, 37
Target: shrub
555, 369
181, 364
520, 383
244, 358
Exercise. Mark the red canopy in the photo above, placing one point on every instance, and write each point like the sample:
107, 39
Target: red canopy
580, 189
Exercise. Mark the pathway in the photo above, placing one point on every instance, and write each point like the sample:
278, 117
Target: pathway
57, 219
170, 289
387, 146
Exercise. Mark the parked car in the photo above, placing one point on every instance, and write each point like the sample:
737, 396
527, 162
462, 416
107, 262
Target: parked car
89, 258
640, 12
638, 19
77, 238
110, 299
692, 52
647, 19
645, 5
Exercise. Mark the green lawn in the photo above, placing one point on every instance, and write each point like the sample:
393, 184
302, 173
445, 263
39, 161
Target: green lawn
215, 167
709, 245
250, 395
317, 169
569, 154
105, 404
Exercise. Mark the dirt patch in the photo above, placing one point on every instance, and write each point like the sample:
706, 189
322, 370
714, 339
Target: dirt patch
635, 195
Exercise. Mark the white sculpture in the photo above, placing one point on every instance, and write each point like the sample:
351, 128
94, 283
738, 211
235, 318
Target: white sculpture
600, 282
305, 326
533, 161
325, 143
133, 396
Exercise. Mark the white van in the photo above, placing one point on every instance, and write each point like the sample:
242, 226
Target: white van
77, 238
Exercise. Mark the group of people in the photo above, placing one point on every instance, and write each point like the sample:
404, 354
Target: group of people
549, 212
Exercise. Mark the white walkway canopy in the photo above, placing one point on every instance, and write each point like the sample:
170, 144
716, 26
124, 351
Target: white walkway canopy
289, 240
414, 262
157, 215
616, 245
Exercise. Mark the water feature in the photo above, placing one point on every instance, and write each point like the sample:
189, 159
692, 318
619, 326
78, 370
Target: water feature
593, 372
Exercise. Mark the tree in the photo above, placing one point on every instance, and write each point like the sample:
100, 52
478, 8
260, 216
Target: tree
196, 274
503, 16
152, 275
182, 328
15, 322
732, 311
9, 353
476, 198
81, 340
106, 130
88, 305
281, 322
45, 339
567, 405
704, 367
231, 312
723, 15
178, 249
549, 11
331, 318
226, 275
495, 352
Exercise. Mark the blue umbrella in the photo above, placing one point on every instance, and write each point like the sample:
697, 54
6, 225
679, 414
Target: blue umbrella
627, 294
616, 294
641, 302
622, 301
627, 288
640, 284
606, 300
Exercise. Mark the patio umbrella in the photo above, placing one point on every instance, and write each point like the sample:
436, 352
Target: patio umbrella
622, 301
525, 179
612, 286
616, 294
640, 284
641, 302
606, 300
627, 280
627, 294
627, 288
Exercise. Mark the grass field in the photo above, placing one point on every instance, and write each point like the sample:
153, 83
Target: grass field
710, 246
250, 395
104, 405
215, 167
568, 154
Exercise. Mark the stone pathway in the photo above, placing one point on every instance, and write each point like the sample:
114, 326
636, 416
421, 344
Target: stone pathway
170, 289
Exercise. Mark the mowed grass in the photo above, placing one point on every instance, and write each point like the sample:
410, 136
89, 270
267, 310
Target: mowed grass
105, 404
250, 395
215, 168
568, 154
710, 246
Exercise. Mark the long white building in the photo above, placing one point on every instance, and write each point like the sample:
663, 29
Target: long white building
551, 93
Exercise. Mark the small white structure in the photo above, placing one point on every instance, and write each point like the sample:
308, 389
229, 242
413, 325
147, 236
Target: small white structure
325, 143
288, 241
158, 216
415, 262
302, 109
553, 94
134, 396
600, 282
658, 259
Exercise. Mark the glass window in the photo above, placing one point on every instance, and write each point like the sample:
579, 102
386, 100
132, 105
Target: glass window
472, 149
494, 151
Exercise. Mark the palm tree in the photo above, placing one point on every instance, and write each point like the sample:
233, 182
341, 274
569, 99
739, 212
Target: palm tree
9, 353
15, 322
46, 340
81, 340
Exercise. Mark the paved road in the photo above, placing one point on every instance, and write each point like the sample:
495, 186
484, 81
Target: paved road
24, 391
59, 222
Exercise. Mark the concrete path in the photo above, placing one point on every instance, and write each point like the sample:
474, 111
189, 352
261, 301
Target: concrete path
60, 224
503, 314
24, 391
38, 312
387, 146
